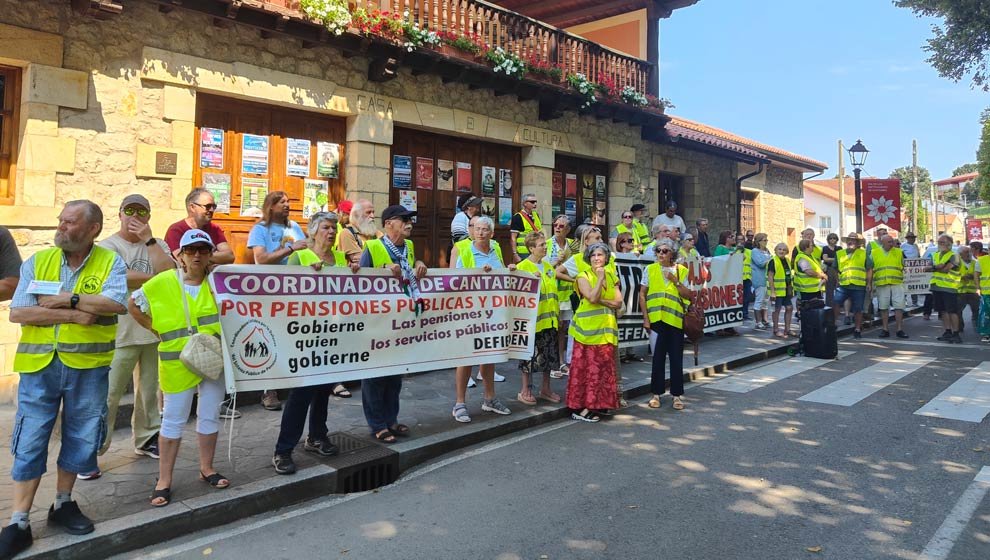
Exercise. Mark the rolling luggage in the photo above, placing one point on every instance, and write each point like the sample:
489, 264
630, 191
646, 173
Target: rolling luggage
818, 336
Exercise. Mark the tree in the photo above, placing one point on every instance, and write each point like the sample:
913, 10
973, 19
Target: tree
983, 157
906, 177
961, 44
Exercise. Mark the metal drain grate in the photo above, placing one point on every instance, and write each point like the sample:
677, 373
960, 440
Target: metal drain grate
361, 464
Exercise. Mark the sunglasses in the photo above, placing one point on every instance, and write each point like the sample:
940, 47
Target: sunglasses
139, 211
663, 251
531, 201
207, 207
626, 216
201, 249
626, 241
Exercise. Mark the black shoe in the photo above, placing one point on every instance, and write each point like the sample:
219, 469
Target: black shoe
849, 320
14, 540
857, 334
321, 446
149, 449
902, 334
956, 339
70, 518
284, 464
946, 336
884, 334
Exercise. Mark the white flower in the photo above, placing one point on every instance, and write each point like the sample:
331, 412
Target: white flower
881, 209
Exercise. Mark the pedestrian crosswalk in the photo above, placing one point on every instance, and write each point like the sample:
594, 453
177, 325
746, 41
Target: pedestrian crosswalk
967, 399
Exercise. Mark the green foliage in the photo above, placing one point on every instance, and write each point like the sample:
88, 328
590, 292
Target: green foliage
907, 201
961, 44
983, 157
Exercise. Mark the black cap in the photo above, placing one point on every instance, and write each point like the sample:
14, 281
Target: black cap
396, 211
637, 208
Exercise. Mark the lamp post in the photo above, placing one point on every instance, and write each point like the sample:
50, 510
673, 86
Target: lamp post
857, 156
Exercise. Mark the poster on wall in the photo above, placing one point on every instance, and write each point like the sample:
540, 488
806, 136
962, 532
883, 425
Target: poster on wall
488, 207
588, 182
408, 200
464, 183
600, 187
504, 211
587, 210
327, 159
445, 175
487, 181
599, 218
219, 186
570, 208
297, 157
555, 208
424, 173
211, 148
401, 172
505, 182
254, 154
314, 197
570, 184
558, 184
253, 193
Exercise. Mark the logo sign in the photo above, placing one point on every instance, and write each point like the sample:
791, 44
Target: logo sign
90, 285
881, 203
974, 230
252, 348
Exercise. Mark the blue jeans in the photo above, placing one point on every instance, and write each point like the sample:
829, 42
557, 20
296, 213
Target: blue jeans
82, 394
380, 398
747, 297
854, 294
313, 399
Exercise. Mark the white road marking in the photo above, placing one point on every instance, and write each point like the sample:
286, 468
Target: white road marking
880, 342
967, 399
945, 538
853, 388
761, 375
327, 504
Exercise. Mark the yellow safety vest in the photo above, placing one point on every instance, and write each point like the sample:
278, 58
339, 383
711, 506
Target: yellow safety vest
781, 273
78, 346
336, 240
308, 257
685, 255
637, 245
594, 323
663, 303
641, 233
466, 255
521, 249
747, 264
888, 268
565, 288
549, 308
168, 319
947, 280
967, 286
805, 283
380, 256
852, 268
584, 267
984, 274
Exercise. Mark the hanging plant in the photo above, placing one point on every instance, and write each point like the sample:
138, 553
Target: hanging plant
331, 13
585, 87
631, 96
506, 62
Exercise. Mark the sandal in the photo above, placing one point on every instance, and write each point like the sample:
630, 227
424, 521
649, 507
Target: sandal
525, 400
385, 436
552, 397
400, 430
654, 402
340, 391
586, 416
163, 494
215, 480
678, 403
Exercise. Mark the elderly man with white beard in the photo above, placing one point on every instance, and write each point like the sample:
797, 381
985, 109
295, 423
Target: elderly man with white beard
360, 229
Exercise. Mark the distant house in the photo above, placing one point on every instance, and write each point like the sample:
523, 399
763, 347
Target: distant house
957, 183
821, 207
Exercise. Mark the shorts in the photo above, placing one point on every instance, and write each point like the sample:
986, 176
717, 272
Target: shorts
759, 298
82, 394
945, 301
890, 296
782, 302
856, 295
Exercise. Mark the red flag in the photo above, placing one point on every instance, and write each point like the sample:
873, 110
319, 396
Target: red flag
974, 227
881, 203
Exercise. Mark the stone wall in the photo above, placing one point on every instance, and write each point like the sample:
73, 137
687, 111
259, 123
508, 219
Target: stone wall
782, 204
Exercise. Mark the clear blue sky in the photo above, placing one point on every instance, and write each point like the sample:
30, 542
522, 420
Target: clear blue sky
802, 74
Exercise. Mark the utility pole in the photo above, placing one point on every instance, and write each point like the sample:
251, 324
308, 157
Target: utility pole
914, 183
842, 193
934, 219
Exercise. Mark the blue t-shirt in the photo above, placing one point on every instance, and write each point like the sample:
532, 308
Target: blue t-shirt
272, 237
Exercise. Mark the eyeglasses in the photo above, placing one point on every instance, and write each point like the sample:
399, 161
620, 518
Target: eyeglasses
201, 249
627, 217
139, 211
530, 201
208, 207
405, 219
626, 241
663, 251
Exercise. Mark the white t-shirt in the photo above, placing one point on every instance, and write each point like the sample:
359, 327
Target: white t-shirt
135, 257
676, 221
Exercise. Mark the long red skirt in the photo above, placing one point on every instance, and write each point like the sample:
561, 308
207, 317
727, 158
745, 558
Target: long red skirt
591, 383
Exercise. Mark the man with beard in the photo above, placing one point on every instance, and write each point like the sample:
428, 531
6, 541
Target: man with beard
360, 230
67, 304
200, 207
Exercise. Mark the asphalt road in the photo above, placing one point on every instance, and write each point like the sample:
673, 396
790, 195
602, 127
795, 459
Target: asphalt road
787, 459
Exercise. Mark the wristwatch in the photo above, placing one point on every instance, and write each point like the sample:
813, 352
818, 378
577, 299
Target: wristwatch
74, 301
150, 242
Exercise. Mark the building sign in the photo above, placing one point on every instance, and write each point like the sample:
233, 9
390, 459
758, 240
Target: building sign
166, 163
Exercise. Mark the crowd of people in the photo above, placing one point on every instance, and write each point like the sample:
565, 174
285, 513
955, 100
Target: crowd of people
94, 316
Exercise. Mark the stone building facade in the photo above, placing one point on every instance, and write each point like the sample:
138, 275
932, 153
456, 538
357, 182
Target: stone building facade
101, 99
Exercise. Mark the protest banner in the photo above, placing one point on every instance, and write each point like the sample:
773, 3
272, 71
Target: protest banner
631, 268
917, 276
287, 326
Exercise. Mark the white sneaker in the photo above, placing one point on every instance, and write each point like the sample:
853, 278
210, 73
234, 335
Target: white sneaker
498, 378
471, 383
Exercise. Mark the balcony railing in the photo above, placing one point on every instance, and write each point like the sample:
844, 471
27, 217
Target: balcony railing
526, 37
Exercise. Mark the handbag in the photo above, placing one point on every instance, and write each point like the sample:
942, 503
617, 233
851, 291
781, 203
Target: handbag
202, 353
694, 324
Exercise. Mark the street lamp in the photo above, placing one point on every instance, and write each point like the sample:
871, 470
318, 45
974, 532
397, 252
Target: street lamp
857, 155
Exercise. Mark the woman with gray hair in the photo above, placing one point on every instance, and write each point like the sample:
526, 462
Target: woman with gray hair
591, 386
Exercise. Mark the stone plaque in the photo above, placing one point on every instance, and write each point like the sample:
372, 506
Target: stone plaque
166, 163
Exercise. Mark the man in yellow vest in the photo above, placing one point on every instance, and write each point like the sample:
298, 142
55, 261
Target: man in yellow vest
523, 222
67, 304
855, 280
945, 289
628, 225
967, 287
887, 264
982, 280
641, 231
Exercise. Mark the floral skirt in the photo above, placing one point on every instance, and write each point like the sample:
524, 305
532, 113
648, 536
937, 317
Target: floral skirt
545, 355
592, 382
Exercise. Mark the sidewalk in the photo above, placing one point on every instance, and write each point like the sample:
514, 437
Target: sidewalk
118, 501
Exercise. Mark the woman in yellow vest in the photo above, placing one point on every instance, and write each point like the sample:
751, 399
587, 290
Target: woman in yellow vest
981, 277
567, 272
780, 284
664, 296
559, 250
545, 350
158, 306
591, 386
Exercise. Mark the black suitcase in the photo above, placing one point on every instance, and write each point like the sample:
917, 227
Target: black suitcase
818, 336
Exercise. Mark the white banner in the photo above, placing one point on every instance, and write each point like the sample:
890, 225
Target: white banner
286, 326
917, 276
